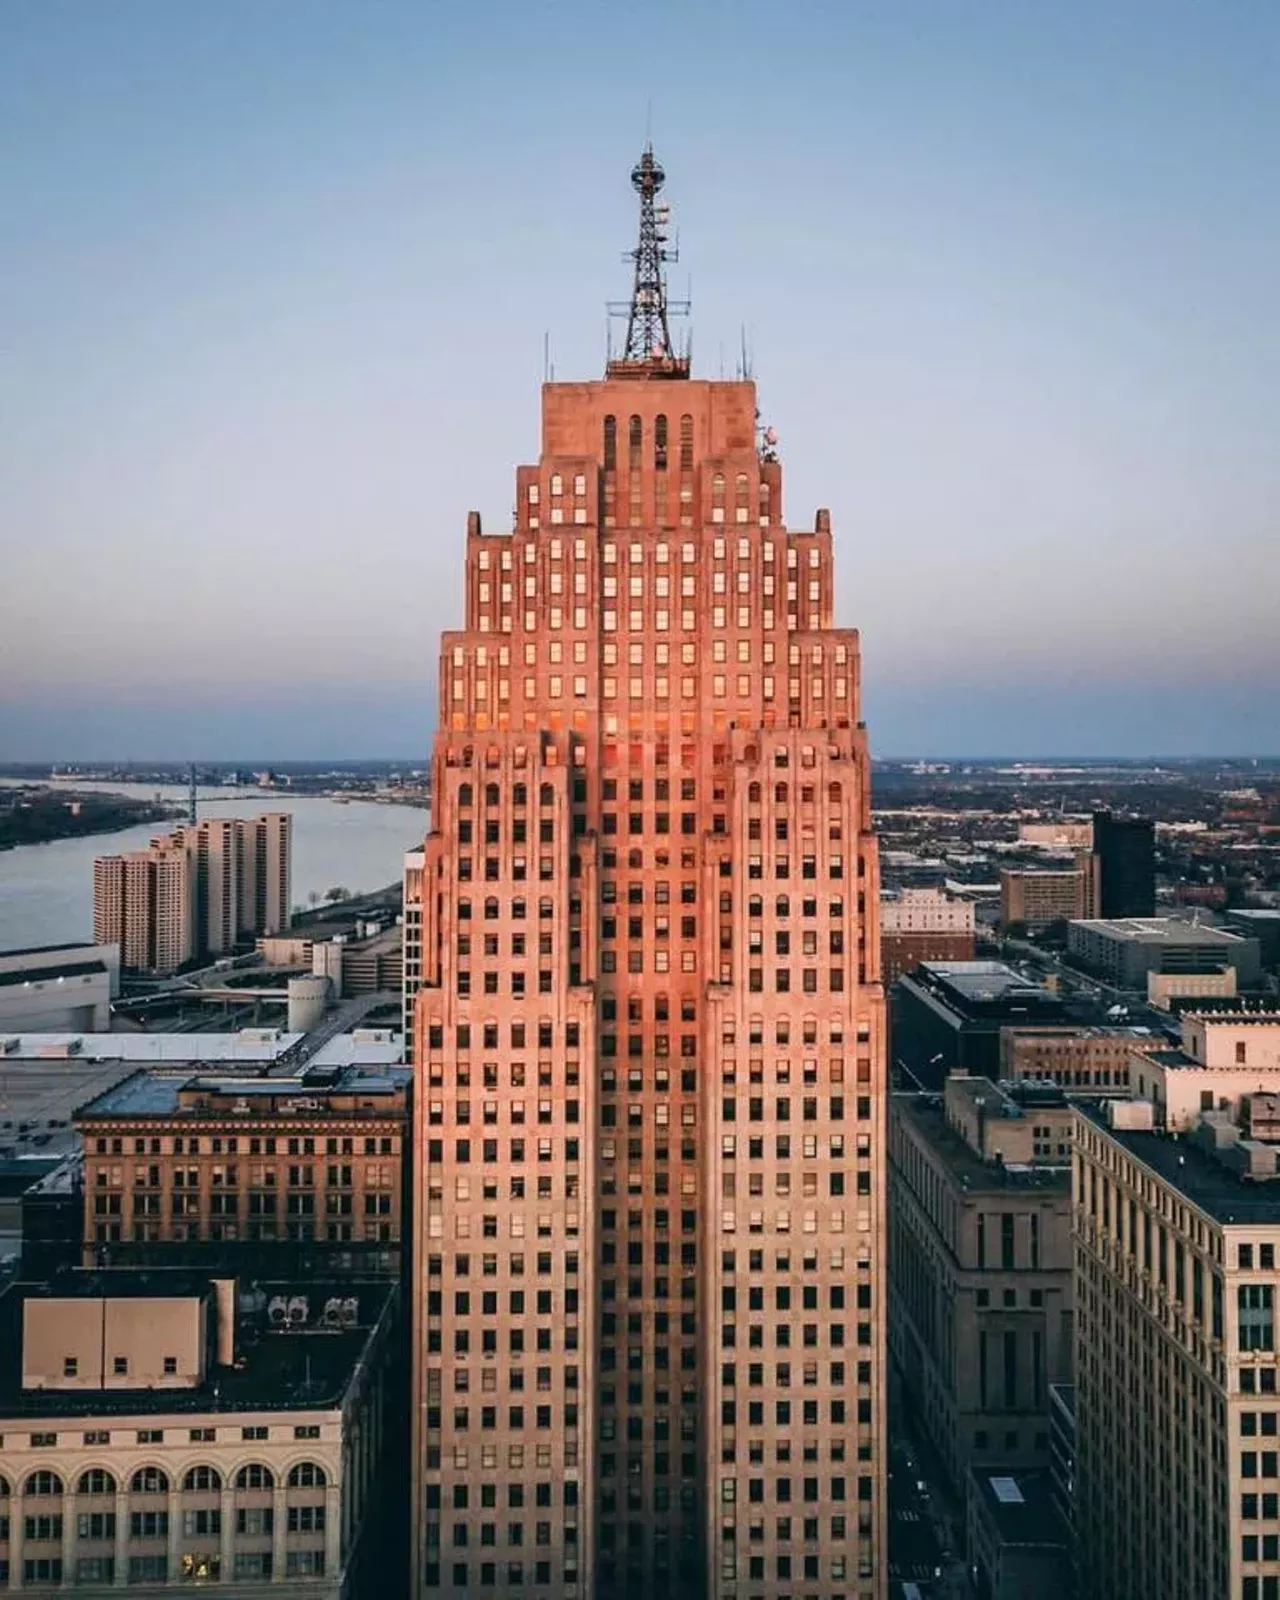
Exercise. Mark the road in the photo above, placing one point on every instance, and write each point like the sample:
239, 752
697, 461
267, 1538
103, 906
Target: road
926, 1533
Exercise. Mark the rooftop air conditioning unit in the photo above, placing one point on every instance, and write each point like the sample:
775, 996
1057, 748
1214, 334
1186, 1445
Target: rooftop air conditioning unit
277, 1311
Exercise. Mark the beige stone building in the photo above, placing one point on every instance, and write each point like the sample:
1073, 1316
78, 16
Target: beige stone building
1063, 833
1165, 988
1223, 1055
1177, 1470
172, 1433
980, 1267
1079, 1060
649, 1040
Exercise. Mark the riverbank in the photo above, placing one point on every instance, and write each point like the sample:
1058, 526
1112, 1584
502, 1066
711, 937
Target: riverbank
40, 815
46, 894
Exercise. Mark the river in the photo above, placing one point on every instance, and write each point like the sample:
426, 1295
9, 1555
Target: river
46, 890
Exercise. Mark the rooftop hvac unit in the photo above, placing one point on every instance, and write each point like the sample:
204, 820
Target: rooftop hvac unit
299, 1310
331, 1316
277, 1311
350, 1311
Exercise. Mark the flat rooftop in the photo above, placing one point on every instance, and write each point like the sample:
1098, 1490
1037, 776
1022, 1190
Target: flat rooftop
1194, 1174
984, 989
283, 1369
1020, 1504
39, 1098
1234, 1019
251, 1046
974, 1175
48, 949
1158, 930
158, 1093
12, 978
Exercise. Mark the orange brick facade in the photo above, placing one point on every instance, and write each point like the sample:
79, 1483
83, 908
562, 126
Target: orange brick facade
649, 1110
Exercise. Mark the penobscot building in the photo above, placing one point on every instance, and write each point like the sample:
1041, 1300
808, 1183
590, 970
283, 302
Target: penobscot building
649, 1027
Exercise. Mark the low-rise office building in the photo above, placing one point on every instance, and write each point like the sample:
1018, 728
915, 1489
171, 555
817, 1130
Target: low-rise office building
1123, 950
980, 1267
176, 1432
1081, 1061
948, 1016
58, 986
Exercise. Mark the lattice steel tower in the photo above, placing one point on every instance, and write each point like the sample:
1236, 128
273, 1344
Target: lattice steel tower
648, 340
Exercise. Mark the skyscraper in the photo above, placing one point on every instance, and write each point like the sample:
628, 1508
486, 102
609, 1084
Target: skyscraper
1124, 855
649, 1038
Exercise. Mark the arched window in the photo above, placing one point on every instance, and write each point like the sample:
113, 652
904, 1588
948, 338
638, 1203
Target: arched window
546, 795
834, 793
686, 444
202, 1480
717, 487
255, 1476
635, 440
783, 906
520, 795
755, 906
546, 910
635, 860
149, 1480
780, 793
96, 1481
491, 910
742, 487
753, 794
517, 910
492, 797
464, 794
610, 443
307, 1475
464, 911
660, 443
43, 1483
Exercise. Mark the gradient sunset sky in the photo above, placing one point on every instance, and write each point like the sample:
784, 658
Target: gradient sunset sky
275, 277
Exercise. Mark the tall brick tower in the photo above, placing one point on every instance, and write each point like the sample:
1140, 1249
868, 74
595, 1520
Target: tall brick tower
649, 1038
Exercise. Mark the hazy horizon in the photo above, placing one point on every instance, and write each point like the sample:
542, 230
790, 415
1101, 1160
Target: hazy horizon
277, 279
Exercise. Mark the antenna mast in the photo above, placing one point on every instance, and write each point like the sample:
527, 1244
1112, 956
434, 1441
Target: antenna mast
647, 349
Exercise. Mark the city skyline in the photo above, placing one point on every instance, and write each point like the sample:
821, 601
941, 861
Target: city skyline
264, 268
